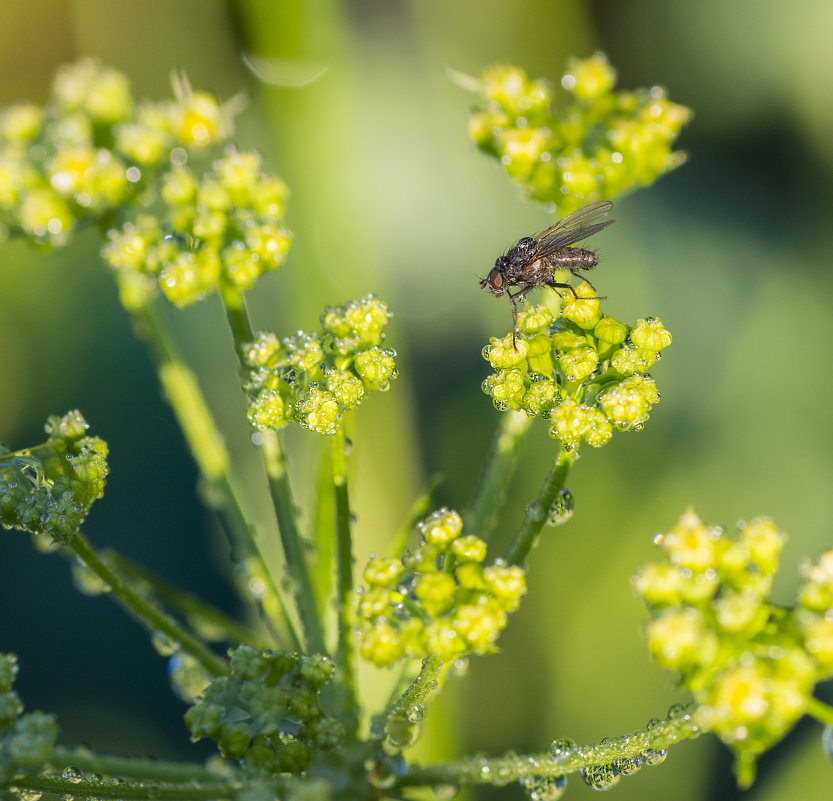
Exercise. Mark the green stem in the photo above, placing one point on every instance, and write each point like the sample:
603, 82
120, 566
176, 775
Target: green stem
297, 564
158, 791
199, 613
649, 746
206, 444
820, 711
138, 768
344, 572
408, 704
496, 474
274, 461
147, 612
538, 511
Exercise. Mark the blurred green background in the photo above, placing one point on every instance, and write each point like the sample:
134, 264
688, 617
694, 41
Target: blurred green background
733, 251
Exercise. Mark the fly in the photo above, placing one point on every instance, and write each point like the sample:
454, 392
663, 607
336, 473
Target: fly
533, 261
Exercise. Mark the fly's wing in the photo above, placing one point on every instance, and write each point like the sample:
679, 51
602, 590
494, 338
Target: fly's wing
573, 228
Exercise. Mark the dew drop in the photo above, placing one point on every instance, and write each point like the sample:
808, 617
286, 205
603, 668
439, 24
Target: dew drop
562, 508
164, 645
627, 766
28, 795
445, 792
87, 581
72, 774
400, 734
543, 788
827, 742
386, 769
654, 756
600, 777
562, 750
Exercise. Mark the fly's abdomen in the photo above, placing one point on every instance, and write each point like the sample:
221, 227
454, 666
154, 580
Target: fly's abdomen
574, 259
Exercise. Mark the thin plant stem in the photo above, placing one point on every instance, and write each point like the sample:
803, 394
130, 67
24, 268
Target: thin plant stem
820, 711
344, 573
208, 448
408, 704
198, 612
152, 616
139, 768
280, 490
497, 471
538, 511
217, 789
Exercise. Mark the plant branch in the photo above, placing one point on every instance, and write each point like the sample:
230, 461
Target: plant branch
497, 472
154, 618
538, 511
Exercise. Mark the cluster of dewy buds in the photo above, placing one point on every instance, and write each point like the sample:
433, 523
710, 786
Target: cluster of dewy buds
222, 228
585, 372
750, 668
26, 740
313, 379
267, 712
92, 148
597, 146
48, 489
438, 599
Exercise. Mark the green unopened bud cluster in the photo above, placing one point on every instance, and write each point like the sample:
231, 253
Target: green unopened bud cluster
585, 372
267, 712
221, 228
48, 489
596, 146
92, 147
750, 664
26, 741
314, 379
438, 599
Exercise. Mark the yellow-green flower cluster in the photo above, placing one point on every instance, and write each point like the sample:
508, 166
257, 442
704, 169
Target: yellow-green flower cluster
222, 228
267, 711
26, 741
313, 379
585, 372
48, 489
599, 145
91, 148
438, 599
750, 664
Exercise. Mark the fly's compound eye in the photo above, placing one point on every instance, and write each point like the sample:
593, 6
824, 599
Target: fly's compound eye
495, 281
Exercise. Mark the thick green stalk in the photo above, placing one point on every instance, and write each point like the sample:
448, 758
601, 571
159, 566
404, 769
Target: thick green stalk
538, 511
497, 472
206, 444
274, 461
146, 611
409, 705
344, 572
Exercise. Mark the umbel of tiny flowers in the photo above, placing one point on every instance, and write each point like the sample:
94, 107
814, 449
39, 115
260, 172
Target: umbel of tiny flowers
438, 599
313, 379
598, 145
92, 148
266, 713
221, 228
26, 740
751, 665
584, 371
49, 488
